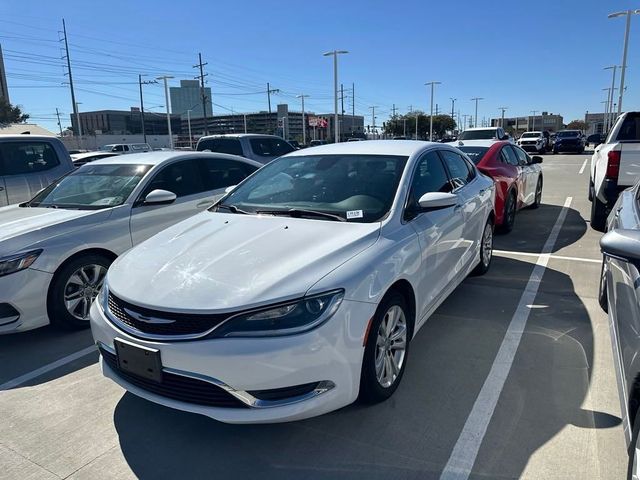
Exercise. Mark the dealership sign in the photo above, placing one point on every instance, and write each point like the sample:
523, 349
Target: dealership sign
319, 122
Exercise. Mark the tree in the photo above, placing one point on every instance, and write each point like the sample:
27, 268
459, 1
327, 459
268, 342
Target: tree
441, 123
10, 113
577, 125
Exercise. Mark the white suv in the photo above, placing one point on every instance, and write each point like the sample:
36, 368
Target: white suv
493, 133
615, 166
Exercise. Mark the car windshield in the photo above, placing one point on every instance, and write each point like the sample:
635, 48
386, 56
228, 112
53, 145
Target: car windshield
92, 187
478, 134
530, 135
568, 134
474, 153
357, 188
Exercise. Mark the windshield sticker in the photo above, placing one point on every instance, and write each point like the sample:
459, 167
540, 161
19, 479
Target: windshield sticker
354, 214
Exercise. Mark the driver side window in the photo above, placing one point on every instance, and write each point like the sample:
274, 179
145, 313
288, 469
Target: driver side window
429, 176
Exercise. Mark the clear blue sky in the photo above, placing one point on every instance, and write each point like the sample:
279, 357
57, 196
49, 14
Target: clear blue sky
542, 55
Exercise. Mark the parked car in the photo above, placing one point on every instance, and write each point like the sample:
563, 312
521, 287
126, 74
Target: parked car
261, 148
126, 148
618, 294
320, 253
493, 133
294, 144
518, 177
315, 143
28, 163
615, 166
535, 142
80, 159
596, 139
569, 141
56, 248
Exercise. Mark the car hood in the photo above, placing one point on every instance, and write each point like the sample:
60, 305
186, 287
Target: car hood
22, 227
217, 262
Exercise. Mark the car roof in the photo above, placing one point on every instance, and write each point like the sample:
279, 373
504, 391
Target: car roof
370, 147
26, 138
157, 158
237, 135
478, 143
480, 128
80, 156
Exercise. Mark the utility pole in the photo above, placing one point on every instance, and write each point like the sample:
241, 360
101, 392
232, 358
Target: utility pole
189, 126
393, 118
502, 118
140, 83
304, 126
353, 99
431, 115
59, 124
475, 120
269, 92
166, 97
73, 94
335, 54
464, 121
453, 103
373, 121
341, 106
202, 93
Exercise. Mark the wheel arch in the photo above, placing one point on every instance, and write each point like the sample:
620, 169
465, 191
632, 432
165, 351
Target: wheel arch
404, 288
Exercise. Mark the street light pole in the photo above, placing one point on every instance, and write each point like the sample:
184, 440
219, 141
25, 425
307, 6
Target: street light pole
166, 97
373, 121
613, 82
335, 54
607, 108
533, 112
304, 126
189, 124
453, 103
80, 142
433, 84
628, 13
502, 118
475, 120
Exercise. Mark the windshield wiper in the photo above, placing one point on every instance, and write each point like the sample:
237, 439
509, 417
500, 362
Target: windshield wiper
300, 212
233, 209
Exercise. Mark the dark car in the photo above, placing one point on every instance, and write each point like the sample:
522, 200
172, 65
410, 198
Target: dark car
569, 141
596, 139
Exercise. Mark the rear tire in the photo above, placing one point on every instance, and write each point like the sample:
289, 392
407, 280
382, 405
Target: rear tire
509, 215
598, 214
486, 250
386, 350
73, 289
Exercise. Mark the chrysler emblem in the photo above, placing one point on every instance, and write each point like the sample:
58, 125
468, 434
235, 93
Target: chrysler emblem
152, 320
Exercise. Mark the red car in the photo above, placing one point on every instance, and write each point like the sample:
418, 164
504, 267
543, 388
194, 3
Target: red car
518, 177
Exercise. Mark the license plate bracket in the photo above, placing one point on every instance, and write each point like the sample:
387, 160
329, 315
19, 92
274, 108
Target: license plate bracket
137, 360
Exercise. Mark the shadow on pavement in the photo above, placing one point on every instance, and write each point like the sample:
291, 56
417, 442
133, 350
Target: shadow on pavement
539, 224
411, 435
21, 353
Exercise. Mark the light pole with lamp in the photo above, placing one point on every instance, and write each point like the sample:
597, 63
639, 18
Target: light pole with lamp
628, 14
189, 124
475, 119
80, 142
166, 96
433, 84
304, 126
335, 54
613, 82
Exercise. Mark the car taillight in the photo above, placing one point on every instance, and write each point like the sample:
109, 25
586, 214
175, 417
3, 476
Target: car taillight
613, 164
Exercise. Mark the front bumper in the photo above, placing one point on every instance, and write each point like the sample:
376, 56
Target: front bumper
331, 353
24, 293
572, 147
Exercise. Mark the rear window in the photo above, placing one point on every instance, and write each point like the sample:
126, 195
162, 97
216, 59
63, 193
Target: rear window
475, 154
270, 147
479, 134
221, 145
630, 128
19, 158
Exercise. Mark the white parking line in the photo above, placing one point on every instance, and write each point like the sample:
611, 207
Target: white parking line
46, 368
466, 449
507, 253
583, 166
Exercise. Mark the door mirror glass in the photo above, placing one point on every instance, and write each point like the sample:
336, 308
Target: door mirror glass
536, 159
160, 197
622, 244
437, 200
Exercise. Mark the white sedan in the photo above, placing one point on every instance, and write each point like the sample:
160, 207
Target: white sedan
301, 289
56, 248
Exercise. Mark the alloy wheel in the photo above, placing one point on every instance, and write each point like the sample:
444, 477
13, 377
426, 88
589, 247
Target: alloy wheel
487, 244
391, 345
82, 288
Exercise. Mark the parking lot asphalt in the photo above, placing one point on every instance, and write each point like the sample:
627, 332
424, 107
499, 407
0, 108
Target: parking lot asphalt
512, 376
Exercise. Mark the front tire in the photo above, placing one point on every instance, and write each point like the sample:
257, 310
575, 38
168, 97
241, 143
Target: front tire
386, 350
538, 198
73, 289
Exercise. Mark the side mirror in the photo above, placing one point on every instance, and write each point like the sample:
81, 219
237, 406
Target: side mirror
437, 200
536, 159
229, 188
622, 244
160, 197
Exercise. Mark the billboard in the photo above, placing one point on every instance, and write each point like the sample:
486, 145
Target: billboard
319, 122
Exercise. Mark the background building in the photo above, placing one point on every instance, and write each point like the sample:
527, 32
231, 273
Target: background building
122, 122
4, 91
287, 124
595, 123
188, 96
545, 121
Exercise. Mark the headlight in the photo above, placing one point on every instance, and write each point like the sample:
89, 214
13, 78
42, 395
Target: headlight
284, 319
15, 263
103, 296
